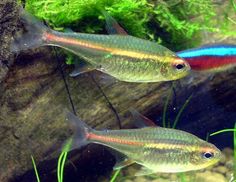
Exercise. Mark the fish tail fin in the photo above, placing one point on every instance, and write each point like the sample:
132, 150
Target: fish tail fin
81, 131
33, 38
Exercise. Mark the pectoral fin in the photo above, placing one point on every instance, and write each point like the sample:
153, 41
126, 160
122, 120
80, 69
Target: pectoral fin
81, 69
144, 171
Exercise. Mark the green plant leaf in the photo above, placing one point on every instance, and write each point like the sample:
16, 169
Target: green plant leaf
115, 175
62, 159
35, 169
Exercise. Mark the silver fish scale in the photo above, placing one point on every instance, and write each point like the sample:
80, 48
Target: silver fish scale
118, 65
168, 135
166, 156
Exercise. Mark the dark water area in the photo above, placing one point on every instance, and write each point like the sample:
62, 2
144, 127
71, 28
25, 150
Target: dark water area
91, 163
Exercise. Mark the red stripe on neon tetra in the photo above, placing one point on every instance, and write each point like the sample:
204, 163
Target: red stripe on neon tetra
204, 63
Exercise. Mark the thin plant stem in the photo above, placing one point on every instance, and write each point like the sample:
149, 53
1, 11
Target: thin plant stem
58, 167
207, 136
223, 131
115, 175
62, 159
35, 169
233, 4
181, 111
63, 164
234, 142
165, 109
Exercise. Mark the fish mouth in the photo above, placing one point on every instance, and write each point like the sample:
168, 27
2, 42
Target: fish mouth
219, 155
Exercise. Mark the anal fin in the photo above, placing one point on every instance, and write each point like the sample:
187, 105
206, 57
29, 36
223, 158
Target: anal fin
144, 171
122, 164
121, 159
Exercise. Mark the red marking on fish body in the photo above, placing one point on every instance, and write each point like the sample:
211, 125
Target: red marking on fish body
113, 139
50, 37
159, 145
202, 63
87, 135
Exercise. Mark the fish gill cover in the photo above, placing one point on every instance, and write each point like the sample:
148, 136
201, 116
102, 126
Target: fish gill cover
171, 22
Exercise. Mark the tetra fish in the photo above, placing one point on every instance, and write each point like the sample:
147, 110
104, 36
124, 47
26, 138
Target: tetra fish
207, 58
157, 149
211, 58
126, 58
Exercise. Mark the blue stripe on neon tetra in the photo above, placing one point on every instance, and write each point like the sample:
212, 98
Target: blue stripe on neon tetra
214, 50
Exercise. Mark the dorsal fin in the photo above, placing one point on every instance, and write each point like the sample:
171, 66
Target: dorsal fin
112, 25
140, 120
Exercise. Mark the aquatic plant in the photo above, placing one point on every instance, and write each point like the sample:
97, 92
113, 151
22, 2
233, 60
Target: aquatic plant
35, 169
166, 122
62, 160
181, 111
69, 13
182, 177
233, 4
165, 108
234, 141
60, 163
115, 175
171, 22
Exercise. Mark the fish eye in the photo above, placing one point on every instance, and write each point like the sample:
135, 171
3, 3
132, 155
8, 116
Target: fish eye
179, 66
207, 155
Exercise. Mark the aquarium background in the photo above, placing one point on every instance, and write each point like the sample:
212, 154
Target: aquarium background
34, 93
